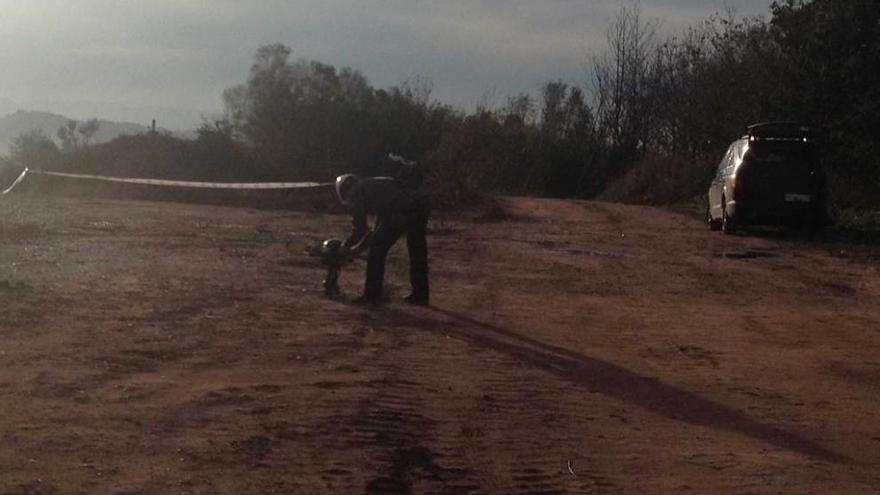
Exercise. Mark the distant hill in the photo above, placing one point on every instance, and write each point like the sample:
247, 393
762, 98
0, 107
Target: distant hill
176, 119
13, 124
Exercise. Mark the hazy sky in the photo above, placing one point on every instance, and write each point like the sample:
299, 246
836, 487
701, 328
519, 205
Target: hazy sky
182, 54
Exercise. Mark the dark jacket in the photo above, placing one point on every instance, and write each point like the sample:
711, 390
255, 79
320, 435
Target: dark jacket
381, 196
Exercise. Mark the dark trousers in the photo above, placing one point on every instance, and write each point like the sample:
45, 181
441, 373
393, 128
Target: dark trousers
412, 220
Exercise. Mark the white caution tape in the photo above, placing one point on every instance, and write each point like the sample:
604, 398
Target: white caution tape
174, 183
15, 182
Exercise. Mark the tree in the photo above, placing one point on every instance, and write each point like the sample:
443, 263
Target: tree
87, 130
554, 118
301, 117
216, 154
75, 134
34, 150
622, 84
833, 50
307, 118
68, 137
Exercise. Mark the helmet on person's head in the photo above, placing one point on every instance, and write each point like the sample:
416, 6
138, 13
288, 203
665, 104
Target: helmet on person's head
344, 183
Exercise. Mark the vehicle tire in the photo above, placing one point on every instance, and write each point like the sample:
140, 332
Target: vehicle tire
711, 222
728, 225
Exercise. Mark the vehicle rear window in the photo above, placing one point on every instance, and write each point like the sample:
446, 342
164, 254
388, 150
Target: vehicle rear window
784, 154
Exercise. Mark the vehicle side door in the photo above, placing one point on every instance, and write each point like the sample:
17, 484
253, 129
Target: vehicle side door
733, 161
716, 189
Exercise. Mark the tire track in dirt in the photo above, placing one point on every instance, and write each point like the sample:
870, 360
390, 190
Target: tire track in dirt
393, 421
466, 438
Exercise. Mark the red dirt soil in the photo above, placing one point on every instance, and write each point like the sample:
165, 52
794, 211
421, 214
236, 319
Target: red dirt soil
571, 347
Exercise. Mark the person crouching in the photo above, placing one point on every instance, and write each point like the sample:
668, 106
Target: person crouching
399, 209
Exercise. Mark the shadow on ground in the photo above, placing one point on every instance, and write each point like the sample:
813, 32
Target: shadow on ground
609, 379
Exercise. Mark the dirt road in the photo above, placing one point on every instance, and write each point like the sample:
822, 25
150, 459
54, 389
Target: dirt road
572, 347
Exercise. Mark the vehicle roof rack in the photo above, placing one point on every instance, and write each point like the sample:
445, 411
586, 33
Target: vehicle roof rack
780, 131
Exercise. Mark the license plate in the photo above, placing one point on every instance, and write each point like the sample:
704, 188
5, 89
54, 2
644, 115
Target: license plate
797, 198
